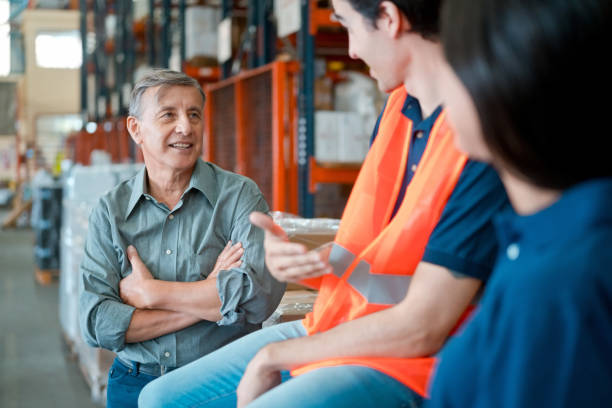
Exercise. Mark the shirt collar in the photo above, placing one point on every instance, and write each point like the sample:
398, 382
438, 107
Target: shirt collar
427, 124
202, 179
578, 210
412, 110
138, 190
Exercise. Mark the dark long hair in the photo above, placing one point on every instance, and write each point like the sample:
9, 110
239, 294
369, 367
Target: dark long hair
423, 15
532, 68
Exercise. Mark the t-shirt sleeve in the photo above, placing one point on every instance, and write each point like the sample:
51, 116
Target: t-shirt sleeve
464, 239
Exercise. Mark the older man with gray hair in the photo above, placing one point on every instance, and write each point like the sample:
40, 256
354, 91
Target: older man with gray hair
173, 269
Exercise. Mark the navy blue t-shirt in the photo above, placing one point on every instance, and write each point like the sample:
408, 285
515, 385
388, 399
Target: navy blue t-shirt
542, 335
464, 239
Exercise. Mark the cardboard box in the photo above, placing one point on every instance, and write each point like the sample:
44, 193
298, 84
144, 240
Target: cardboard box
324, 94
201, 39
311, 232
340, 137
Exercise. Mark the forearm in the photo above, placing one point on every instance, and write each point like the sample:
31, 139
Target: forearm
383, 334
417, 326
150, 324
199, 299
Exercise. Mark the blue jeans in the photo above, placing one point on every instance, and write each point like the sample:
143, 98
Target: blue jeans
211, 381
124, 385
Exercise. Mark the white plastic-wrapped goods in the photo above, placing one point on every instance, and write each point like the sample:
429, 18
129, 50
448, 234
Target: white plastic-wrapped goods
82, 188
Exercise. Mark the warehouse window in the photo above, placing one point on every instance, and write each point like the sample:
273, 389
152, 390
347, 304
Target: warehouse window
58, 49
5, 43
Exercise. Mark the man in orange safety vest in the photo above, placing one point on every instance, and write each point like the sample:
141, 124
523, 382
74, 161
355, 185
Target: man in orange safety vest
414, 246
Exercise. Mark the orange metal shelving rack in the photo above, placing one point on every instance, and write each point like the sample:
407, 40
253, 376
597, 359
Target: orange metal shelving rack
250, 128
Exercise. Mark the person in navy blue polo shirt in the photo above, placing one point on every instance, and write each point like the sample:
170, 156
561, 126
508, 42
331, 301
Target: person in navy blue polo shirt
518, 84
463, 240
398, 40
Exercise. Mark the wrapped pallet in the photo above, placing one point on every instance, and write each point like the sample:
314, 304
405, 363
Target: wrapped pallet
294, 305
314, 234
82, 189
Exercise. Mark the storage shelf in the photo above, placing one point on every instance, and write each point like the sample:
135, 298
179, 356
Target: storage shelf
202, 74
320, 17
341, 173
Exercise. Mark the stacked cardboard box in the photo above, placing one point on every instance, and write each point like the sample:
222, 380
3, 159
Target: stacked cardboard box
340, 137
201, 39
313, 233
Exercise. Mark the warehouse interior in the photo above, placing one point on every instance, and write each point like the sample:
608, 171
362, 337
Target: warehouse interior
286, 107
304, 203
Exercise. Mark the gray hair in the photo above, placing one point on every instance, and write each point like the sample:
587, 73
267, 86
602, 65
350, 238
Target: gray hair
160, 77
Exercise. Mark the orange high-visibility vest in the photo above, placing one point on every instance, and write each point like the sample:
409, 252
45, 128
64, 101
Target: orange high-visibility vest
374, 257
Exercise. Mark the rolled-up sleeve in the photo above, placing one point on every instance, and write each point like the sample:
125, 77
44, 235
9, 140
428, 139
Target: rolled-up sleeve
249, 294
103, 317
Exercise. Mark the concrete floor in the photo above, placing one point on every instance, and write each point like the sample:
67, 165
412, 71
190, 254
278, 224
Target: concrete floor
36, 369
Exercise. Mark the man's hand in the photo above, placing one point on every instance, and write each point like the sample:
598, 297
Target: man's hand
287, 261
132, 288
258, 378
228, 258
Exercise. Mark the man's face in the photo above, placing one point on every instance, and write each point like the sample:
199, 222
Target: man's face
170, 127
372, 45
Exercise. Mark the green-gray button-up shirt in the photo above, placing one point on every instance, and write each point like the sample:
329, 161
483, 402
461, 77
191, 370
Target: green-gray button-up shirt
176, 245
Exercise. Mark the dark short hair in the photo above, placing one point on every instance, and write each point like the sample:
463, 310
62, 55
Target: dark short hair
160, 77
423, 15
532, 68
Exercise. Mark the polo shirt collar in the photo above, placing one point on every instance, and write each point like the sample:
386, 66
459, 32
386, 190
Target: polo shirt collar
427, 124
412, 110
578, 210
202, 180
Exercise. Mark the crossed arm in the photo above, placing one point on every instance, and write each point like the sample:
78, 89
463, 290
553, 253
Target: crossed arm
164, 307
417, 326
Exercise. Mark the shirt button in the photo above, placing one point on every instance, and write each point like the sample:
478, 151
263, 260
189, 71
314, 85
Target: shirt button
168, 251
419, 135
167, 354
171, 216
413, 168
513, 251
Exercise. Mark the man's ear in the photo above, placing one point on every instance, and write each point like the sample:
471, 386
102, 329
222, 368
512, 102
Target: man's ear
392, 20
134, 128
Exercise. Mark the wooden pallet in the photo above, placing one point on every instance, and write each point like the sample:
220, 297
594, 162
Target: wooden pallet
46, 276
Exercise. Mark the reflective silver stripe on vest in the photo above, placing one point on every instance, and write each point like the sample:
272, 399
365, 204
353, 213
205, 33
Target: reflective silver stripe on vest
340, 259
379, 289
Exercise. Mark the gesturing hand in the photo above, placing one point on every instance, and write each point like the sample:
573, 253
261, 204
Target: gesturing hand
228, 258
132, 288
288, 261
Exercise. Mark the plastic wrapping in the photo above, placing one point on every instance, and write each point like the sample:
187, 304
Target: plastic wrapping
312, 232
82, 189
294, 305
